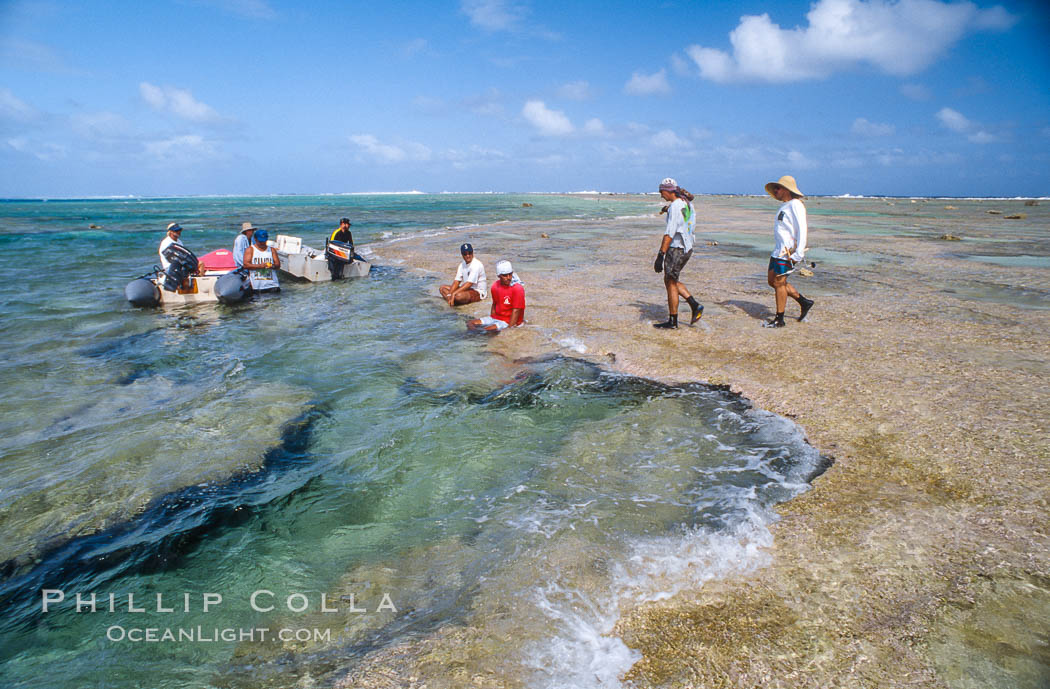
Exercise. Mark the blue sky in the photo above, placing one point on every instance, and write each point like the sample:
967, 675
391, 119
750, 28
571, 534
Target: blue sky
184, 97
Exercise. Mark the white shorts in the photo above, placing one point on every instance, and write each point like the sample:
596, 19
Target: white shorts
489, 320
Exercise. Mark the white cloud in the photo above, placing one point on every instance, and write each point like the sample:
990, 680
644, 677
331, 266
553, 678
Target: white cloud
390, 153
15, 109
959, 123
594, 127
896, 37
953, 120
493, 15
799, 161
45, 152
179, 102
575, 90
187, 148
667, 140
865, 128
548, 122
100, 125
642, 84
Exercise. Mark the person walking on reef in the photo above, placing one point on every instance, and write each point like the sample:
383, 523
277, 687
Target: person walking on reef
790, 233
675, 249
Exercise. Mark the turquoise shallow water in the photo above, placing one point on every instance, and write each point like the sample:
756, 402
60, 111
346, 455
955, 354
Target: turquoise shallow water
336, 439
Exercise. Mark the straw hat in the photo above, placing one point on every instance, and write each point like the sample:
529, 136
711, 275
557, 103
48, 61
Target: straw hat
788, 182
246, 226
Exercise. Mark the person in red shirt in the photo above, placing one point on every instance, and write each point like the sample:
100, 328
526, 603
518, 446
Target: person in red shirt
508, 302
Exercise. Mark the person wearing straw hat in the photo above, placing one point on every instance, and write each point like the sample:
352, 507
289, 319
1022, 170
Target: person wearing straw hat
790, 233
243, 241
675, 249
508, 302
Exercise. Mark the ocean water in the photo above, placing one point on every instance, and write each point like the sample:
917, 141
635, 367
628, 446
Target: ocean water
344, 452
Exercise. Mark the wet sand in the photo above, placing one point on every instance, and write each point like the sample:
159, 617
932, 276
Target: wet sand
922, 557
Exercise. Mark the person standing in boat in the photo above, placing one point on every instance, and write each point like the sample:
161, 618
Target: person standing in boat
676, 247
469, 285
790, 233
261, 261
173, 236
243, 241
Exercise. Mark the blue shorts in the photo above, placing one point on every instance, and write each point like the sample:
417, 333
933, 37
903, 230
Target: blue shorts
779, 266
489, 320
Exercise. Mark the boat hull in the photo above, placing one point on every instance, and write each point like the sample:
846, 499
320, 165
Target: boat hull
310, 264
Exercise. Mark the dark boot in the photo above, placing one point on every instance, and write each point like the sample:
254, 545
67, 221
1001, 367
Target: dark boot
696, 308
670, 324
805, 305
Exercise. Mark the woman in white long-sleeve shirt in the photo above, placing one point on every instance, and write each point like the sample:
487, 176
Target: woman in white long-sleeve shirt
790, 232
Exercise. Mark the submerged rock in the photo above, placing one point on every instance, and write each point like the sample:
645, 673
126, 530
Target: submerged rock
526, 205
1031, 202
950, 238
950, 208
545, 235
1016, 216
995, 212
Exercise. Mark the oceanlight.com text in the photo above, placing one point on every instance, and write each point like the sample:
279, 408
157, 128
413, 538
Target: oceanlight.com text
200, 634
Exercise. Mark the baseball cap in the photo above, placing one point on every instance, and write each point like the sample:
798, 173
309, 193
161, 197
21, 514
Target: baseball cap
466, 249
504, 268
174, 227
261, 236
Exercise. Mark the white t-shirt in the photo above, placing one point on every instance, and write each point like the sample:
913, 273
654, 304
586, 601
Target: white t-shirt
474, 273
681, 223
790, 231
164, 244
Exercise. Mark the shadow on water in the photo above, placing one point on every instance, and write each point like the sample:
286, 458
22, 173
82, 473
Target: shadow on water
167, 530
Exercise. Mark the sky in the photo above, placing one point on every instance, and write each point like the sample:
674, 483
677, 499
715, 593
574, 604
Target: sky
230, 97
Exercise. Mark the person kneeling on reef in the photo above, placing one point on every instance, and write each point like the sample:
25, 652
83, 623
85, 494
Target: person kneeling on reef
676, 247
469, 285
508, 302
261, 260
790, 233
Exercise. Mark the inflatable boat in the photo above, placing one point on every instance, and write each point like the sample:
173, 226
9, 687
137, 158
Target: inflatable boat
221, 281
336, 261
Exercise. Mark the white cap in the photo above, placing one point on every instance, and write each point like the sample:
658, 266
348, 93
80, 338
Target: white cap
504, 268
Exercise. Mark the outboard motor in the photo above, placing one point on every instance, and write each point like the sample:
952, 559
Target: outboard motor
142, 292
183, 263
232, 287
339, 255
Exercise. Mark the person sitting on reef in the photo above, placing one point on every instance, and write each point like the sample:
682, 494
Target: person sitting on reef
790, 232
261, 260
173, 236
508, 302
469, 285
344, 235
243, 241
